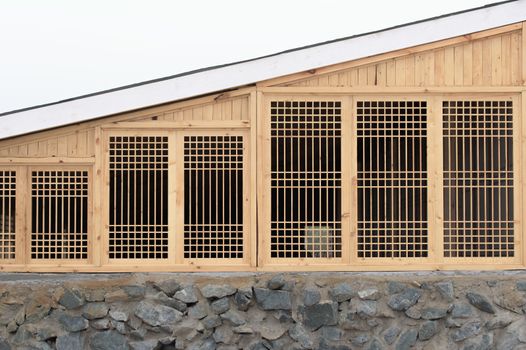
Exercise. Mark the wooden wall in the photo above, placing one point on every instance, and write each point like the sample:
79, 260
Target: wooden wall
489, 61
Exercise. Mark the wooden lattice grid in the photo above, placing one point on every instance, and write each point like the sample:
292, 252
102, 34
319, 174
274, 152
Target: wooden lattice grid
138, 197
392, 204
478, 179
214, 191
305, 179
60, 214
7, 215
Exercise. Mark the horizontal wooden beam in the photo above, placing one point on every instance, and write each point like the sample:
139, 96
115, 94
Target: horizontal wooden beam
46, 160
195, 124
313, 90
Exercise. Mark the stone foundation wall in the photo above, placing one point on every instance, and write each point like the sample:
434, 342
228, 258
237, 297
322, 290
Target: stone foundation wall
264, 311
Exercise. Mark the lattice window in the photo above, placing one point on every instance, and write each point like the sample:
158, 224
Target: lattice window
478, 179
213, 175
306, 179
59, 209
138, 191
7, 214
392, 179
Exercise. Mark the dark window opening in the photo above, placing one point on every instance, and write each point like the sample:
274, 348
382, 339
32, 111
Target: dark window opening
392, 179
306, 179
59, 215
7, 214
478, 179
138, 197
213, 200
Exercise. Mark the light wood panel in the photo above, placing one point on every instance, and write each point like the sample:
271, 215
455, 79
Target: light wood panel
491, 61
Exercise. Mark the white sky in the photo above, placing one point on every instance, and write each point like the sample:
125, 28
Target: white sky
52, 50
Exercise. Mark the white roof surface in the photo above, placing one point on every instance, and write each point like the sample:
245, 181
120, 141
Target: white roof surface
214, 79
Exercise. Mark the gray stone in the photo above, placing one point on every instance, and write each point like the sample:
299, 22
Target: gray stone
73, 323
186, 295
4, 345
394, 287
157, 315
511, 300
271, 330
299, 334
311, 296
124, 294
321, 314
95, 295
119, 315
234, 317
364, 308
120, 327
369, 294
521, 286
186, 330
134, 322
328, 345
428, 330
390, 334
461, 310
212, 321
46, 331
466, 331
164, 299
108, 340
70, 342
283, 316
500, 321
341, 292
407, 340
35, 312
138, 333
414, 312
223, 335
22, 335
217, 291
360, 339
220, 306
169, 287
9, 312
453, 322
480, 302
446, 290
260, 345
404, 300
331, 333
207, 344
101, 324
72, 299
134, 292
243, 329
198, 311
374, 345
96, 310
276, 282
481, 342
11, 327
269, 299
243, 298
433, 313
151, 344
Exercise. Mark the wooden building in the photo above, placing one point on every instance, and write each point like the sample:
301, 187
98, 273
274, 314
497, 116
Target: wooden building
402, 149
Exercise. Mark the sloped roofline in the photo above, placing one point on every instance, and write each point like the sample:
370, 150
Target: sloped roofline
222, 77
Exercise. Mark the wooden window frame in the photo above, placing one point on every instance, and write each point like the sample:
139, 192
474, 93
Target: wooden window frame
176, 260
70, 263
350, 261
